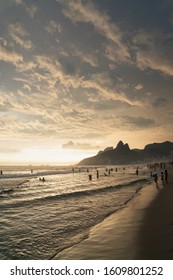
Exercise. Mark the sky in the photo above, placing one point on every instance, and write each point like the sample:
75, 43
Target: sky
77, 76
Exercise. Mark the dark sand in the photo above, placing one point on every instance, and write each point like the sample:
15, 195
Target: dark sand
143, 229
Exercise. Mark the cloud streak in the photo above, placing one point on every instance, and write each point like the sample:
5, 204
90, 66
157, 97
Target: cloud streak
153, 51
18, 34
79, 146
31, 9
53, 26
10, 56
81, 11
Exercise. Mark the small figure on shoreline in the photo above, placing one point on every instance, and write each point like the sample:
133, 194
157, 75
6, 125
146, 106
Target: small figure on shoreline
97, 174
90, 177
162, 178
1, 172
166, 176
156, 180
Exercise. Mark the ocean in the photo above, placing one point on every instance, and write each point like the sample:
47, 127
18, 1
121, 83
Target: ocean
38, 219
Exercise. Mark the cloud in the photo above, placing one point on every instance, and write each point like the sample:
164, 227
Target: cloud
88, 58
26, 66
31, 10
159, 102
53, 26
116, 54
10, 56
139, 87
153, 50
150, 59
79, 146
105, 88
82, 11
138, 122
18, 34
19, 2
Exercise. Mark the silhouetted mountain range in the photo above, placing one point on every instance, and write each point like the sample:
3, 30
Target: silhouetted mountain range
122, 154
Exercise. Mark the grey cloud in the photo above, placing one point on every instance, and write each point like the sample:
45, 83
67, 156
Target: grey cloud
31, 9
19, 2
159, 102
68, 66
89, 58
82, 11
19, 34
10, 56
138, 122
154, 50
53, 26
79, 146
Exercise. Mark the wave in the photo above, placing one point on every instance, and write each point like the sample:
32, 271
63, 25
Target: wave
82, 193
84, 234
93, 191
13, 189
35, 174
6, 191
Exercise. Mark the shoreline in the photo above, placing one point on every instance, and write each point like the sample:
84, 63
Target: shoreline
159, 219
137, 231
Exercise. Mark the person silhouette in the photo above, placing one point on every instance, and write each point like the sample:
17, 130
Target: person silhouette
156, 180
162, 178
166, 176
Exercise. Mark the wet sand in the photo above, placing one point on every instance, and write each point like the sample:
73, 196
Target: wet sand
143, 229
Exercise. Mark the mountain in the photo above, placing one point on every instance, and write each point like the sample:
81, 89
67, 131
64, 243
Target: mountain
122, 154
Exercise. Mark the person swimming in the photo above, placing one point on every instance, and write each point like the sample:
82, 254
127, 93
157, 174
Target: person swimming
42, 179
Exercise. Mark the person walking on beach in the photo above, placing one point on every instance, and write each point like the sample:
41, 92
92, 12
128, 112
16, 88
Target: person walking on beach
166, 176
156, 180
162, 178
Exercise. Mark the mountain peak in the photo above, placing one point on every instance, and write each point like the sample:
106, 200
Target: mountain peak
122, 154
126, 146
120, 145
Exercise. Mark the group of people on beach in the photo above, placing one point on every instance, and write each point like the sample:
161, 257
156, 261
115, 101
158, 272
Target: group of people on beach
106, 173
163, 177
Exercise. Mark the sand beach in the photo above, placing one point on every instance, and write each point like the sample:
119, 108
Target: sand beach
143, 229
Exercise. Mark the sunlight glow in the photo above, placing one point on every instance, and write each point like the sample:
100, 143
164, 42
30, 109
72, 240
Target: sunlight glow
47, 155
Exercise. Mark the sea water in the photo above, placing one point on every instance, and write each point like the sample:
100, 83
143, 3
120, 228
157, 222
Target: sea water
38, 219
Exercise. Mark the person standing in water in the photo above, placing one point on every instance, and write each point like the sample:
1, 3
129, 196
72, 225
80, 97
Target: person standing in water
137, 171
